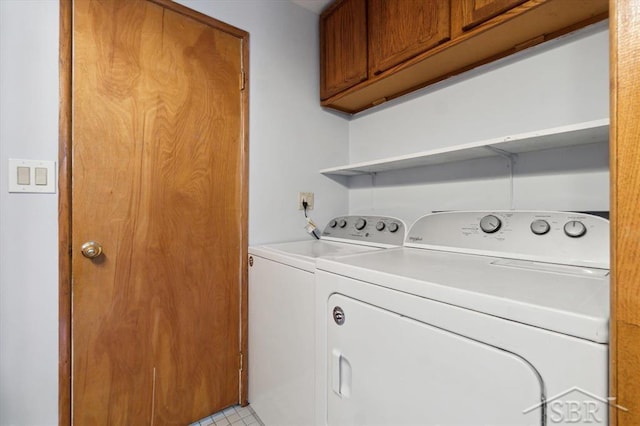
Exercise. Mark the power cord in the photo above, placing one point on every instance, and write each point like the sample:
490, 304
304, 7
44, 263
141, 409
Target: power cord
311, 227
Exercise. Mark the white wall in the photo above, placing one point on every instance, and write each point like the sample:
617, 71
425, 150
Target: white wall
558, 83
28, 223
291, 138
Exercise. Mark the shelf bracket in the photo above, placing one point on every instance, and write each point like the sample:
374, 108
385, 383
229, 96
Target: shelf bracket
373, 176
500, 152
511, 157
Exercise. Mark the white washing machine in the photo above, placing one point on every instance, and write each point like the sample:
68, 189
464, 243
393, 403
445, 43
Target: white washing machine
482, 318
282, 313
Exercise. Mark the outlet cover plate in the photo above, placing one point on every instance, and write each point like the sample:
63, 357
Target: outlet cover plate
308, 197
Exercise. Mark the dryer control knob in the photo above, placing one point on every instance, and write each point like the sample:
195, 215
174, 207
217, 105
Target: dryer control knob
360, 224
380, 226
540, 227
490, 224
342, 223
575, 229
393, 227
333, 223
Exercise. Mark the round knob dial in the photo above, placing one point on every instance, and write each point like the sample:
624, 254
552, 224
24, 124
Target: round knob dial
490, 223
360, 224
380, 226
333, 223
91, 249
540, 227
575, 229
393, 227
342, 223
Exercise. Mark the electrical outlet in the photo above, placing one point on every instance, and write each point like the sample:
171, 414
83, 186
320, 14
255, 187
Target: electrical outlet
305, 196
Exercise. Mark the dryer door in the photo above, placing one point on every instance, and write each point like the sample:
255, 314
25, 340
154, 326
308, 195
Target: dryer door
385, 369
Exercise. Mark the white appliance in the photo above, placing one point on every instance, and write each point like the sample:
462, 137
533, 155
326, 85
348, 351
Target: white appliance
482, 318
282, 313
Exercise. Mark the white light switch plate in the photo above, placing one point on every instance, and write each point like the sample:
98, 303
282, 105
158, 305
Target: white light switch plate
35, 185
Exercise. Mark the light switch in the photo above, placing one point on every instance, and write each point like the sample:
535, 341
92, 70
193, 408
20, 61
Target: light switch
32, 176
24, 176
41, 175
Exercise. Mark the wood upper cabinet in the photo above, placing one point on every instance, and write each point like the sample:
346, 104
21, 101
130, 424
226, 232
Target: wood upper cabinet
399, 30
343, 46
373, 51
467, 14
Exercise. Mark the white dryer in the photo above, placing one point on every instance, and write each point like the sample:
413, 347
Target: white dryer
282, 313
483, 318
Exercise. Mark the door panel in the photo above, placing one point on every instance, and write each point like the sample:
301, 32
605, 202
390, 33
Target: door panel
388, 369
468, 14
343, 47
157, 164
399, 30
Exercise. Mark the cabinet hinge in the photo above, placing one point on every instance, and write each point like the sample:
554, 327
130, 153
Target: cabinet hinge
242, 80
241, 362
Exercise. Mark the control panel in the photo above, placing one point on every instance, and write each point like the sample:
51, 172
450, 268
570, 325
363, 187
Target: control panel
366, 229
557, 237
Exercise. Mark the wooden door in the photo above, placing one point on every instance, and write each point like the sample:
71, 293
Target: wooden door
467, 14
159, 180
343, 46
402, 29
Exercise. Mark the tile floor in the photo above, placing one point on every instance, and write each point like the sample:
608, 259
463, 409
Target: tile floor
232, 416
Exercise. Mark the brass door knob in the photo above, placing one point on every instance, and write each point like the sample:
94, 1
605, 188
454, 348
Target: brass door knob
91, 249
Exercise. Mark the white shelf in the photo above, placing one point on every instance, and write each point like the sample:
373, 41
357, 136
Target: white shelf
576, 134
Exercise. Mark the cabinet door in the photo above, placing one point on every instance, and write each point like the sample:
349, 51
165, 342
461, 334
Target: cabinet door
470, 13
401, 29
343, 46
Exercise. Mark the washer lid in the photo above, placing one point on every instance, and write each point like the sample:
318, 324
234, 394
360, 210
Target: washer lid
565, 299
303, 254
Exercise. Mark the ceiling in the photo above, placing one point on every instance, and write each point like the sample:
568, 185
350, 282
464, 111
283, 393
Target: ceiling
313, 5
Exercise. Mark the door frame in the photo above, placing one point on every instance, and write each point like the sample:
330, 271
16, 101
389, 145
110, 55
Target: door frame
624, 350
65, 206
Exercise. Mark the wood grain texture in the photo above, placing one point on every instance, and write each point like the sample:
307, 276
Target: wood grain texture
466, 14
64, 217
628, 368
343, 46
244, 176
159, 178
625, 220
399, 30
494, 39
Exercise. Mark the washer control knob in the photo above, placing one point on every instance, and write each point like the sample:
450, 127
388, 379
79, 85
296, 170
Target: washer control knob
490, 224
380, 226
360, 224
540, 227
393, 227
333, 223
575, 229
342, 223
